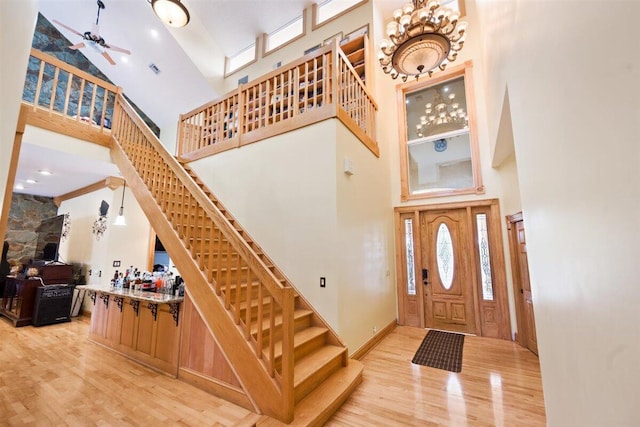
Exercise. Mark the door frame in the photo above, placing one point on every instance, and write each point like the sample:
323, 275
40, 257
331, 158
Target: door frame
497, 260
521, 334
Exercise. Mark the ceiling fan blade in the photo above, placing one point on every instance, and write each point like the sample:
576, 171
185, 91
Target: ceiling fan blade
68, 28
77, 46
108, 58
119, 49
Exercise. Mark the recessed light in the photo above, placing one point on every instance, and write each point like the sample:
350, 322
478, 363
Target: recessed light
31, 181
19, 187
154, 33
124, 59
44, 172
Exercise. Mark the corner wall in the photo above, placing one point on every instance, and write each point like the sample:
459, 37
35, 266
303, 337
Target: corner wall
575, 116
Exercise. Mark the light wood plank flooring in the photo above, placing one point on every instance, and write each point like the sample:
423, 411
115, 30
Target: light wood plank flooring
499, 386
53, 376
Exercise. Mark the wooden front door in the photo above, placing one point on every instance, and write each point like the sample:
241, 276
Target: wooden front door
446, 273
520, 266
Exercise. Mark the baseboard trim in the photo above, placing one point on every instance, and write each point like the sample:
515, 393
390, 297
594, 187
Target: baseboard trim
215, 387
366, 347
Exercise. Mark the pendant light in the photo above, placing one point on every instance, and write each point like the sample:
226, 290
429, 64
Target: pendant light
120, 218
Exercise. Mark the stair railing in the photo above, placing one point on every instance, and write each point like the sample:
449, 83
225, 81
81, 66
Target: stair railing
226, 263
316, 87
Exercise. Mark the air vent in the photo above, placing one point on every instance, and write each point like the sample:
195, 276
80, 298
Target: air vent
154, 68
243, 80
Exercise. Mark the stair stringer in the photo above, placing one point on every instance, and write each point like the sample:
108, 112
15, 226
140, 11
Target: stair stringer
260, 387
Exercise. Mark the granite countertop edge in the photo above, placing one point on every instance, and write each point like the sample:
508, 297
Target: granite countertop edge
154, 297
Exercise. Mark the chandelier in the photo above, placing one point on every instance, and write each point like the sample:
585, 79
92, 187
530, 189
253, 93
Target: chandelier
444, 114
423, 37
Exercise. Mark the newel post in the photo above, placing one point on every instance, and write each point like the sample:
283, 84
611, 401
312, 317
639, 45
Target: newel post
288, 395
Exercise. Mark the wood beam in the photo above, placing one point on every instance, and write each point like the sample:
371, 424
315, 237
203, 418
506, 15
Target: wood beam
112, 182
13, 167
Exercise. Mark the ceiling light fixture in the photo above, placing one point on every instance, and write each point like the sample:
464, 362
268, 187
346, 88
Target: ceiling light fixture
171, 12
44, 172
423, 37
31, 181
120, 218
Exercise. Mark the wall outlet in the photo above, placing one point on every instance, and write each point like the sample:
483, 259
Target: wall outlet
323, 282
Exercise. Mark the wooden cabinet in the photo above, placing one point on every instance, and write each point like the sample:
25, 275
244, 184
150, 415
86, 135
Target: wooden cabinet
147, 332
18, 300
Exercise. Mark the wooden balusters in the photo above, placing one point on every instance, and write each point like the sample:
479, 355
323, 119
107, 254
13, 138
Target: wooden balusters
303, 90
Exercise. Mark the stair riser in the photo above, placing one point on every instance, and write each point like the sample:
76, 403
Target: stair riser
303, 349
233, 292
310, 384
299, 324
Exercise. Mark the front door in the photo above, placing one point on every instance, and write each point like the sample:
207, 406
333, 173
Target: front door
446, 270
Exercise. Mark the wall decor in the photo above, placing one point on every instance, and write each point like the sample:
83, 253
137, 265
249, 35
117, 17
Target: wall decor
100, 224
66, 227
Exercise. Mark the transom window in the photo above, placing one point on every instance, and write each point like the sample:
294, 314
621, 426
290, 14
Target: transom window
241, 59
439, 150
283, 35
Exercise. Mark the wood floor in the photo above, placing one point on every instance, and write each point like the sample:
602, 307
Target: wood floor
499, 386
52, 376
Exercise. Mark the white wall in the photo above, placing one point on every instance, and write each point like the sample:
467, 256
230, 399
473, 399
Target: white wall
364, 242
575, 104
128, 244
282, 190
17, 23
291, 195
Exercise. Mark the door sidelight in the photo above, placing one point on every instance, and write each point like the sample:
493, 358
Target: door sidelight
425, 276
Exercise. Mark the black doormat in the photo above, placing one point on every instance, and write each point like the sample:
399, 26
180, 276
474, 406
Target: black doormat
442, 350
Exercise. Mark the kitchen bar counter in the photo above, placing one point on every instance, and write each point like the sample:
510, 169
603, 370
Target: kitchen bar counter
156, 297
144, 326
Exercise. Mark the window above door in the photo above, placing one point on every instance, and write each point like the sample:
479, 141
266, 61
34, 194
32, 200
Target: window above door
438, 141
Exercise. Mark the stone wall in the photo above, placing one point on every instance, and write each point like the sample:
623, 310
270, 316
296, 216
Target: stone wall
25, 216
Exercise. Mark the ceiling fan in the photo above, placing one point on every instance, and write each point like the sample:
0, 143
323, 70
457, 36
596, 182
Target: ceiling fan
94, 38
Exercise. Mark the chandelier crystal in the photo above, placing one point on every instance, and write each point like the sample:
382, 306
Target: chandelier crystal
422, 38
443, 114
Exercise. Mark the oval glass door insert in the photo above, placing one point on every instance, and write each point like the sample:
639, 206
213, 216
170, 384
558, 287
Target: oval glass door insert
444, 256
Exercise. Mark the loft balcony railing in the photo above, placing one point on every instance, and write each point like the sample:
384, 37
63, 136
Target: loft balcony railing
56, 90
316, 87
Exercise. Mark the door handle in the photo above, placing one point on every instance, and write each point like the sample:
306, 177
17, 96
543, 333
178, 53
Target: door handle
425, 276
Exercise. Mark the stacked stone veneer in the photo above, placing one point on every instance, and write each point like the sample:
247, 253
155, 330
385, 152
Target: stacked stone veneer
25, 216
49, 40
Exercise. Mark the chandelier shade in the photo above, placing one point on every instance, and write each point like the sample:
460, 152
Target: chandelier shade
422, 38
171, 12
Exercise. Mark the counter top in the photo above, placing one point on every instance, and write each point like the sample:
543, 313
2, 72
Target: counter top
154, 297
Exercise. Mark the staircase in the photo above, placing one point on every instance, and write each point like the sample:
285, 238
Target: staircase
291, 364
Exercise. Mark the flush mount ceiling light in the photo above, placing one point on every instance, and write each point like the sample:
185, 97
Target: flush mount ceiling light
171, 12
422, 38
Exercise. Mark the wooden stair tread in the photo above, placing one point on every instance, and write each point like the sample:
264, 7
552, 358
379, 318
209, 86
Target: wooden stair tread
300, 338
311, 363
298, 313
319, 405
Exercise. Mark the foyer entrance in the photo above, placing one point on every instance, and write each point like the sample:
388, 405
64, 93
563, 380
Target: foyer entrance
451, 273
